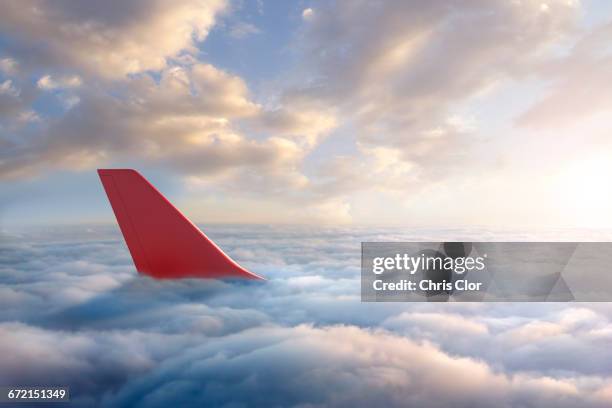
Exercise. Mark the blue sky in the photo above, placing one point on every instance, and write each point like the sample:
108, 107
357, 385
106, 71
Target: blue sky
309, 112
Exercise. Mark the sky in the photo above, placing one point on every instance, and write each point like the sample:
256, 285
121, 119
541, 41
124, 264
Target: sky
424, 113
292, 131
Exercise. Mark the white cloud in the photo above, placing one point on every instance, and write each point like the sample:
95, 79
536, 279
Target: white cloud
188, 120
108, 40
47, 83
399, 83
8, 88
308, 13
456, 325
362, 368
8, 66
394, 95
74, 312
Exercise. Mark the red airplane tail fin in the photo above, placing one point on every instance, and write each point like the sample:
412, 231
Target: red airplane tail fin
162, 241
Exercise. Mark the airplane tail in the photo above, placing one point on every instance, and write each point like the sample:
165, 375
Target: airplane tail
162, 241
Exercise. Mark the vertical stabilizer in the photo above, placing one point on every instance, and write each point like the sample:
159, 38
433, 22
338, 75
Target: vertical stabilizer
162, 241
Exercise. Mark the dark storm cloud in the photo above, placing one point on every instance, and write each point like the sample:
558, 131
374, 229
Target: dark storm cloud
76, 313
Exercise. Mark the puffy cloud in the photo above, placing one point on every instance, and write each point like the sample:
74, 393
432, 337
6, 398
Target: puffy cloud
427, 55
106, 39
398, 82
399, 72
452, 324
362, 368
57, 276
189, 120
297, 121
75, 313
307, 13
148, 102
90, 362
189, 116
394, 96
48, 83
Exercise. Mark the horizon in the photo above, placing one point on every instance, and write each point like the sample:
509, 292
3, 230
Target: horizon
314, 143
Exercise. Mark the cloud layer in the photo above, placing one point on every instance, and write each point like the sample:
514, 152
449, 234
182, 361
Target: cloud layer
75, 314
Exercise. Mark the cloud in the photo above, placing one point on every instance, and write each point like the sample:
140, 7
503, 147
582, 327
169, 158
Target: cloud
362, 368
403, 113
452, 324
397, 83
57, 277
47, 83
156, 105
110, 40
8, 88
243, 29
75, 313
187, 121
364, 113
16, 99
308, 13
401, 83
576, 92
90, 362
8, 66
